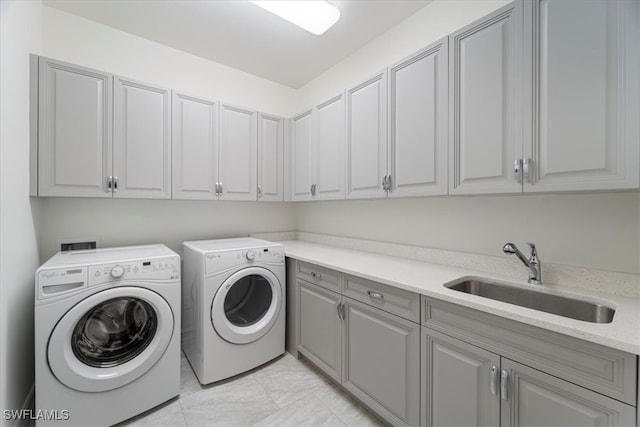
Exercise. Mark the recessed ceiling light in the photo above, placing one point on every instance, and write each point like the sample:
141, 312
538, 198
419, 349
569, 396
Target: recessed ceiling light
313, 16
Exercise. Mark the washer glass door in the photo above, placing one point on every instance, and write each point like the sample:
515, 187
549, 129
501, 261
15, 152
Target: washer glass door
247, 305
110, 338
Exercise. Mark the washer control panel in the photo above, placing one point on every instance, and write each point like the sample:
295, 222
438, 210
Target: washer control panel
153, 269
219, 261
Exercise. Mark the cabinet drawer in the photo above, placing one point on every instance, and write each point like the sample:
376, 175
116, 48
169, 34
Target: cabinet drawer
320, 276
602, 369
394, 300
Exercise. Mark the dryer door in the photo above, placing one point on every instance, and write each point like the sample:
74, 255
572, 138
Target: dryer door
110, 339
247, 305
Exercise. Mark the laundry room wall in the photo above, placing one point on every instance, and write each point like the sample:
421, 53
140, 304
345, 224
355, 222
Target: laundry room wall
128, 222
20, 24
594, 230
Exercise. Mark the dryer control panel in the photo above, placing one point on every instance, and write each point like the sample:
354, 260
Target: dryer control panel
216, 262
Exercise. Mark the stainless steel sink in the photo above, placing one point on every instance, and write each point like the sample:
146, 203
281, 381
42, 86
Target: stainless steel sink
554, 304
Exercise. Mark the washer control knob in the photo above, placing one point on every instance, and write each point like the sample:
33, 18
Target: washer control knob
117, 272
251, 255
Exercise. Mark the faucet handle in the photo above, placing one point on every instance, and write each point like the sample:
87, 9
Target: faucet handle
534, 251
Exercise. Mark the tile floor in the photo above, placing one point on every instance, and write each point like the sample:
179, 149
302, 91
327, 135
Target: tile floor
284, 392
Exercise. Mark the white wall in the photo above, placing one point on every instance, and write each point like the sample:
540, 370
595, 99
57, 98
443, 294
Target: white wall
19, 36
593, 230
133, 222
67, 37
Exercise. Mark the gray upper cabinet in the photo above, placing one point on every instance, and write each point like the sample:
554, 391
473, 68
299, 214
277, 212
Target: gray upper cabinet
418, 112
367, 138
301, 157
100, 135
317, 152
485, 103
195, 148
141, 140
329, 149
74, 130
584, 62
270, 158
238, 155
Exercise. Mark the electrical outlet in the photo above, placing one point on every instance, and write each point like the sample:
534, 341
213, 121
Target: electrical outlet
77, 246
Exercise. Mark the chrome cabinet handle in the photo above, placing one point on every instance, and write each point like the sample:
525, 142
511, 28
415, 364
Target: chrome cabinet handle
221, 188
259, 191
517, 170
384, 183
316, 275
504, 382
376, 295
115, 184
340, 309
110, 184
494, 380
217, 188
526, 163
389, 183
313, 189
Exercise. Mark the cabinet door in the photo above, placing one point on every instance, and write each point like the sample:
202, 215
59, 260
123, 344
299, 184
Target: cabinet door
301, 155
320, 329
382, 362
485, 103
418, 112
538, 399
586, 99
457, 381
194, 148
367, 138
270, 158
142, 140
238, 161
330, 149
74, 135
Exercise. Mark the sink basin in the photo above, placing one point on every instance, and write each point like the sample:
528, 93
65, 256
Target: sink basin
554, 304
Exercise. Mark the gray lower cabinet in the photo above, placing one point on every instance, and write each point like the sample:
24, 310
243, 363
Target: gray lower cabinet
372, 353
533, 398
381, 362
457, 383
320, 330
481, 370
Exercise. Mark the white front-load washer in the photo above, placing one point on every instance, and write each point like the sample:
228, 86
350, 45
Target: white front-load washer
107, 334
233, 298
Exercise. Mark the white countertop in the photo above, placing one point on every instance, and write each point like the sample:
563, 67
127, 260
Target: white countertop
623, 333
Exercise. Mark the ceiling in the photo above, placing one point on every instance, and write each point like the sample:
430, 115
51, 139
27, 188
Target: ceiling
243, 36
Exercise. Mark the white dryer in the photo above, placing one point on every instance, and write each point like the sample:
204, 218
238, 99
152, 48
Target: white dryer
107, 334
233, 299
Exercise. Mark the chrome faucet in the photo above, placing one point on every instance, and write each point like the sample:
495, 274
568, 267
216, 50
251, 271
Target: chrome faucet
533, 263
